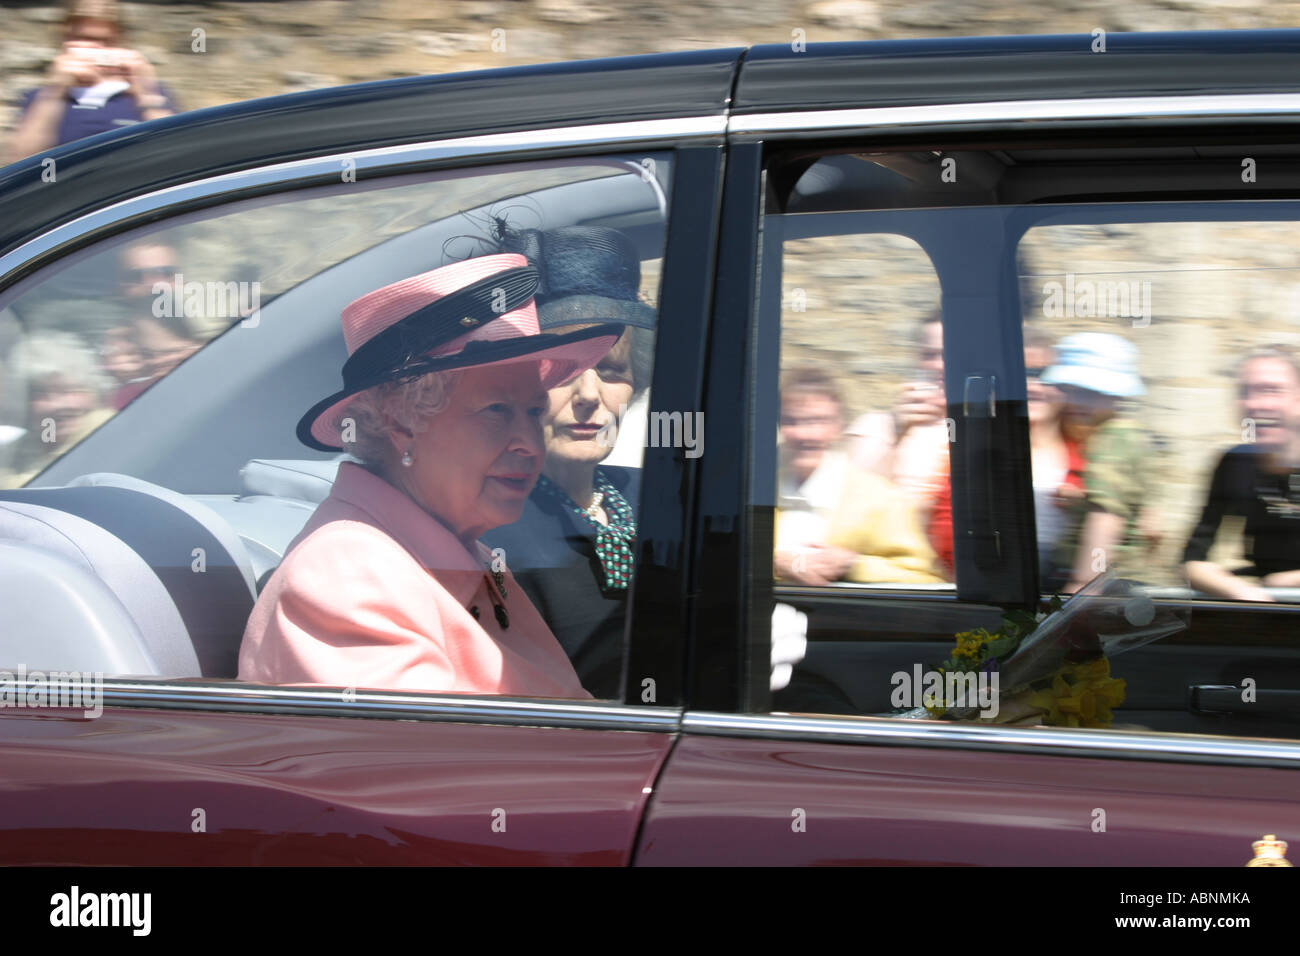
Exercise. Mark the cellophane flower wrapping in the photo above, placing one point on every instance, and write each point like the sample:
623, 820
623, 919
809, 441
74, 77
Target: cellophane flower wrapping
1060, 671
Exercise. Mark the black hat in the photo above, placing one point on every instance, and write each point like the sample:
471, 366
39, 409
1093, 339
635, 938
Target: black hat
588, 274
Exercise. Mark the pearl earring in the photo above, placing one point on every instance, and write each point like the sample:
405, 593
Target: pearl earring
407, 460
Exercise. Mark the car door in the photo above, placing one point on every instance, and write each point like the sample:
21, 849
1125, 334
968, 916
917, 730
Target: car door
152, 752
875, 212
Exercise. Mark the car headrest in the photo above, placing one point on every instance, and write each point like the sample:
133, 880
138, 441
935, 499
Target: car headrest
304, 479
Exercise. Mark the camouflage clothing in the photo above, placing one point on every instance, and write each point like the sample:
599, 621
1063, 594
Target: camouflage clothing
1116, 477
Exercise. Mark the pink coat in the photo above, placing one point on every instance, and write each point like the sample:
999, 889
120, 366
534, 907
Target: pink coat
375, 592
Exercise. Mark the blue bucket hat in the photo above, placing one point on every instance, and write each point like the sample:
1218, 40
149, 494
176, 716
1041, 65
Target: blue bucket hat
1098, 362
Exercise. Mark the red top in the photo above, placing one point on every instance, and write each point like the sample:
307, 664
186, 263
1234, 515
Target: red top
939, 526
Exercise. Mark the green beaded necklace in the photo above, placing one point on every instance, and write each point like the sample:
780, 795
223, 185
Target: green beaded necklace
613, 541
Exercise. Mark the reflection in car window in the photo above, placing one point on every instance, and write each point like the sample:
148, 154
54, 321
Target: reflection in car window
1161, 408
863, 436
1163, 357
139, 307
87, 339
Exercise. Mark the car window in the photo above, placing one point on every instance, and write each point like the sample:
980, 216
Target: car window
863, 433
119, 317
1120, 454
1163, 401
163, 370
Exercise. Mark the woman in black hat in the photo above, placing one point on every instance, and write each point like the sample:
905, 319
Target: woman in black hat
572, 549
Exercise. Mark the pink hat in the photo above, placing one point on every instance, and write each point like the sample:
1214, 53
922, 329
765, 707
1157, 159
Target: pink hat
475, 313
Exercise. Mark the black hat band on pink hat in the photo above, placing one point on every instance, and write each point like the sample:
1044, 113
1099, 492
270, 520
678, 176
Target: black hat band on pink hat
393, 352
470, 314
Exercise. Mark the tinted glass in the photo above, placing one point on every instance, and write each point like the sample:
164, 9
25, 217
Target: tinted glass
1127, 367
196, 344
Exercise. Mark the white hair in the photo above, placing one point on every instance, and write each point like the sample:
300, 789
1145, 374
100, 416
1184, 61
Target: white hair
44, 355
409, 404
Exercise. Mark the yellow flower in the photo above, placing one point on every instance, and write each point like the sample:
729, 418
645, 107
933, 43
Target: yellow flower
971, 643
1081, 695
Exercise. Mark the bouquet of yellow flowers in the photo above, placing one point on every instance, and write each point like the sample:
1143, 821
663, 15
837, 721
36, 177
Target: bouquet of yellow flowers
1052, 668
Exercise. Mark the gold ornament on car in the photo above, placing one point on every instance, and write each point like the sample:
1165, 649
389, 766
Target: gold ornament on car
1270, 851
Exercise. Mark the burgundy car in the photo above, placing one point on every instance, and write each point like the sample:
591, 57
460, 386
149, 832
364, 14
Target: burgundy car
793, 209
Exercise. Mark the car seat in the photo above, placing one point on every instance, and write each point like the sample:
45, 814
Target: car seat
182, 581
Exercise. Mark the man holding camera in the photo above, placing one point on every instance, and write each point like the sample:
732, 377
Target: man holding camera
94, 84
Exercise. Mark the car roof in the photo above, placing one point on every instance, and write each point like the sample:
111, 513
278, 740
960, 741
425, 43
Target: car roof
773, 78
891, 73
117, 165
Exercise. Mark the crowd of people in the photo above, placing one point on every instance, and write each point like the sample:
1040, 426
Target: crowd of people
871, 502
68, 382
72, 376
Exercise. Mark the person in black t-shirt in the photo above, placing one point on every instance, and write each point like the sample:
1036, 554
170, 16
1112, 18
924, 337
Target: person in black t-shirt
1258, 481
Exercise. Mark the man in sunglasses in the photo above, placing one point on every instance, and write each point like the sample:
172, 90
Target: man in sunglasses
145, 264
149, 344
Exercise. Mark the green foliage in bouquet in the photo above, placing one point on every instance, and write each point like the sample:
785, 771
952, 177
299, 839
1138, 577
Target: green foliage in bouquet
976, 648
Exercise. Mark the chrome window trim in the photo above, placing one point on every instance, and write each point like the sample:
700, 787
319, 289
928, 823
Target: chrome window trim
227, 186
392, 705
1055, 741
1253, 105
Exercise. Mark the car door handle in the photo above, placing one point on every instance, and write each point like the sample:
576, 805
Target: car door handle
1227, 699
979, 408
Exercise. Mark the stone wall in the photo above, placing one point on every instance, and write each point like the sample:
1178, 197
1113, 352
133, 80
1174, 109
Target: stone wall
261, 48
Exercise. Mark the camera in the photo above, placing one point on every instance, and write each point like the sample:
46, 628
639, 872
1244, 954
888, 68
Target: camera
108, 58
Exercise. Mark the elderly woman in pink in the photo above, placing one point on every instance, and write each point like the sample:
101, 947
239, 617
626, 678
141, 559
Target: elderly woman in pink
388, 586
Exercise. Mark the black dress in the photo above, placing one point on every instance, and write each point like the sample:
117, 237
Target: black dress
551, 551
